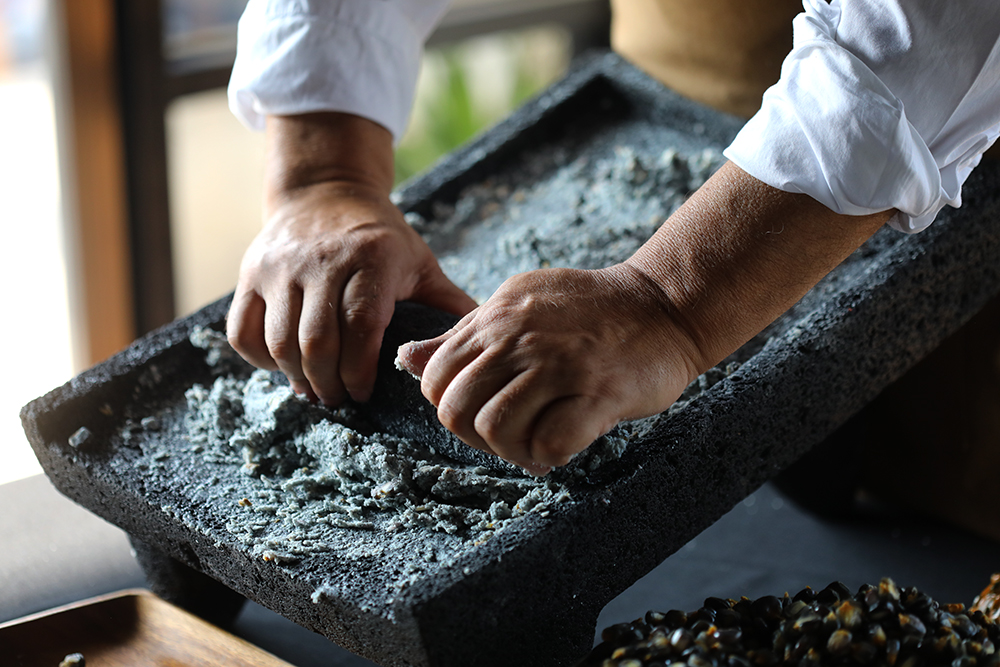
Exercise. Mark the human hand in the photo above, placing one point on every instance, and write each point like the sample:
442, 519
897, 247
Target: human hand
555, 358
318, 285
552, 361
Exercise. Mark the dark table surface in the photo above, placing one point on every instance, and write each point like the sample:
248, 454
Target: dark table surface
56, 553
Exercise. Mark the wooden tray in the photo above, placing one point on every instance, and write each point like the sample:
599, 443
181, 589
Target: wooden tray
132, 628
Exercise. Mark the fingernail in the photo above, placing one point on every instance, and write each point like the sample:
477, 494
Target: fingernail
400, 361
360, 396
304, 392
535, 469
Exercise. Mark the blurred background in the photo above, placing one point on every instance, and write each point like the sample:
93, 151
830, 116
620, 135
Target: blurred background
128, 191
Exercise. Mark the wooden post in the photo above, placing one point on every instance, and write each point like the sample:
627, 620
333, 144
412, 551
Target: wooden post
91, 157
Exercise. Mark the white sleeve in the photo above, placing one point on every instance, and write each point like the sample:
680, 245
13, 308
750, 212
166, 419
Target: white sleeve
881, 104
354, 56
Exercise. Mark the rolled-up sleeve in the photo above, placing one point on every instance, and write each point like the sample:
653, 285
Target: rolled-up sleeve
881, 104
353, 56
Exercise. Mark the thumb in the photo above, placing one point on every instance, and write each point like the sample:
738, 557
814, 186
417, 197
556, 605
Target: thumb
413, 357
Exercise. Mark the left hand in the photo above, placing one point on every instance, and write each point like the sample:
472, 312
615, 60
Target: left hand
553, 360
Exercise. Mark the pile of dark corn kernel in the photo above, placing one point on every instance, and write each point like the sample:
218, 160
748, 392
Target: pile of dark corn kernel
878, 626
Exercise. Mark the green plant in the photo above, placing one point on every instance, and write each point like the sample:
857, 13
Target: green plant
449, 113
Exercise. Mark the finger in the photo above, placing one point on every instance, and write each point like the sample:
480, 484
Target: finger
456, 352
419, 349
506, 421
413, 357
365, 312
533, 469
281, 325
245, 329
472, 388
319, 342
439, 292
568, 426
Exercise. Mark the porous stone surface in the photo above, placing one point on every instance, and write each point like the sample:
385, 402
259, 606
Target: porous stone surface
309, 471
611, 140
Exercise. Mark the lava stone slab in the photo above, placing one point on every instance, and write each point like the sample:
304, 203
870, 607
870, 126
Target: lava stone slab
532, 593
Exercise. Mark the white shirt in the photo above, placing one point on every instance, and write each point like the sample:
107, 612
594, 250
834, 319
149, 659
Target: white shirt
355, 56
881, 103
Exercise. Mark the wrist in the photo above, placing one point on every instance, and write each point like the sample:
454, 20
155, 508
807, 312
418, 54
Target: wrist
333, 150
663, 318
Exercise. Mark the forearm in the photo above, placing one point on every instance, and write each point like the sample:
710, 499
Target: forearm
739, 253
326, 148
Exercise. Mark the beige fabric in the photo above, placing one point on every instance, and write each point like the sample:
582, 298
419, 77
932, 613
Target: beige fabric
723, 53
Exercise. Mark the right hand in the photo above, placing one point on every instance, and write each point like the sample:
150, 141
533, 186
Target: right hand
318, 285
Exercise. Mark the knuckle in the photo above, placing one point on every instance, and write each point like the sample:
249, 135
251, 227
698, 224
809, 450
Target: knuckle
324, 256
253, 350
371, 241
364, 316
489, 428
369, 247
241, 341
251, 274
283, 349
293, 262
552, 450
431, 392
267, 262
449, 416
317, 346
533, 340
